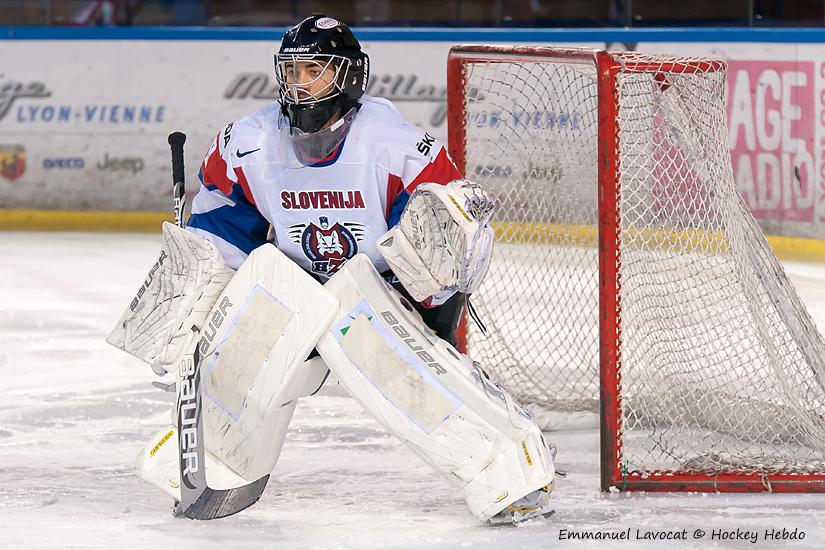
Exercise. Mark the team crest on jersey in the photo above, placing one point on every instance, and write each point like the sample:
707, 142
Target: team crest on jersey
327, 245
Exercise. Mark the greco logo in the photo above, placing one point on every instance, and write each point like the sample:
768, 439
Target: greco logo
121, 164
327, 245
12, 161
68, 163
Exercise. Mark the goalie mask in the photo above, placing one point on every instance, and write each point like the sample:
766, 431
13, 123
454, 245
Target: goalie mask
321, 72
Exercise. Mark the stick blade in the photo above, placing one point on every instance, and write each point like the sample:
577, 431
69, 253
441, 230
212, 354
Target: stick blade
220, 503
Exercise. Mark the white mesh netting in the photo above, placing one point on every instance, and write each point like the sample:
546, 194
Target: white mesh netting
721, 367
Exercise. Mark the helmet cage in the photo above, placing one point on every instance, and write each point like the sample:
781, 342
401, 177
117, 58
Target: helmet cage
295, 92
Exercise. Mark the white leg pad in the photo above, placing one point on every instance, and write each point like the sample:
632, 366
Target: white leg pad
158, 464
253, 349
254, 367
317, 373
429, 395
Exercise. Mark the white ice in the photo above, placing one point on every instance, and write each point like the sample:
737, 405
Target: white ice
74, 413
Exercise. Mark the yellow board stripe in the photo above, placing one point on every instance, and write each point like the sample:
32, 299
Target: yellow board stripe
798, 249
787, 248
71, 220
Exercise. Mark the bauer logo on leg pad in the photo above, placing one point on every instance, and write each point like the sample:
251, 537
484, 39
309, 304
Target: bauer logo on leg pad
403, 378
215, 322
411, 342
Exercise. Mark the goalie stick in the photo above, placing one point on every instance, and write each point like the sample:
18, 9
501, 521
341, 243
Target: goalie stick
176, 141
198, 500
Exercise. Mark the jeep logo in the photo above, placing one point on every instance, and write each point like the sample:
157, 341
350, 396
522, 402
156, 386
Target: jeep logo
112, 164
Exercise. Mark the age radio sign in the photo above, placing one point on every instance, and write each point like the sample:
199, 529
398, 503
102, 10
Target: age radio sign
772, 135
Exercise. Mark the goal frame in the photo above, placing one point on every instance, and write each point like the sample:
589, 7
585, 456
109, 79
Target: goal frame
607, 66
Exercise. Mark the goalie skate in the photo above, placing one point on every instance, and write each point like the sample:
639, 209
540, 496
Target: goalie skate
533, 505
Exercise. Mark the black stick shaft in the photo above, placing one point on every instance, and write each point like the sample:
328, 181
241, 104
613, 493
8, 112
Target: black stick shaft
176, 141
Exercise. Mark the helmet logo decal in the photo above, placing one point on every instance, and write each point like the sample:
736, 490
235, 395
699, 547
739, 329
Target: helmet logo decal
326, 23
328, 246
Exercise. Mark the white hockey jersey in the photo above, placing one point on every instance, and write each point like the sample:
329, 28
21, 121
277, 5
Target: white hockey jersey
322, 214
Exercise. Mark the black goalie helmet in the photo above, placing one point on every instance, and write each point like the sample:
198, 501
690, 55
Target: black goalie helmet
321, 72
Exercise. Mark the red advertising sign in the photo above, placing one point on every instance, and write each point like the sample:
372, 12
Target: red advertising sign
771, 134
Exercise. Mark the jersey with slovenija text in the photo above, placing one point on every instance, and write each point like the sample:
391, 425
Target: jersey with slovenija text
322, 214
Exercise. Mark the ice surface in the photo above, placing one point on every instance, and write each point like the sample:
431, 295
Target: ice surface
74, 413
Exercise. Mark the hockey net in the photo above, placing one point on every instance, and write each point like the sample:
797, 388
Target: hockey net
681, 330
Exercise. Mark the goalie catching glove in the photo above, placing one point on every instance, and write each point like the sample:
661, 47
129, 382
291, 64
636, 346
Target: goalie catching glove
443, 242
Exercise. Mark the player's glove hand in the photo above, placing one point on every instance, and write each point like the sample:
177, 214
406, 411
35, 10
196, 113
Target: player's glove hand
443, 241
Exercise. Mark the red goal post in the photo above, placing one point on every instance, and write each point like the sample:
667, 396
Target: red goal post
666, 203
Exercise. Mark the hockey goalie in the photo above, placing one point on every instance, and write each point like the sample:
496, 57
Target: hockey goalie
328, 234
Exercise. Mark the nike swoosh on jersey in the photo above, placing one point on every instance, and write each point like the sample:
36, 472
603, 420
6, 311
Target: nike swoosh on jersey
241, 155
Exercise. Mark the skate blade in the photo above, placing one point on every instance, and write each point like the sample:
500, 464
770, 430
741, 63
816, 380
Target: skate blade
510, 519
